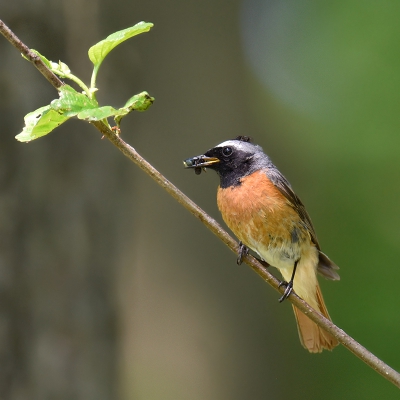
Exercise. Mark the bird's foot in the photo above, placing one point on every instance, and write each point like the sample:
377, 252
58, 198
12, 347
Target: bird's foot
288, 290
243, 251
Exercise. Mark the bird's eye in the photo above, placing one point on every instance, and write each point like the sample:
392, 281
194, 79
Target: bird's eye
227, 151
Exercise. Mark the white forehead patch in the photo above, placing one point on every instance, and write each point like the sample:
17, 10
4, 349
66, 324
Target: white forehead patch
233, 143
240, 145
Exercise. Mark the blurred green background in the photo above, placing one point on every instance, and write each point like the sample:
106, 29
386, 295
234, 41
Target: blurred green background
111, 290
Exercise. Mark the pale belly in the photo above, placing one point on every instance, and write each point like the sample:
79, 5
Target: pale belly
276, 251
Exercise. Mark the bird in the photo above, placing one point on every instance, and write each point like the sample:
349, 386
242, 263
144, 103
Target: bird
260, 207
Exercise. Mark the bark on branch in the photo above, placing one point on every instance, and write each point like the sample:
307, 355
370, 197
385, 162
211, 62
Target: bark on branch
347, 341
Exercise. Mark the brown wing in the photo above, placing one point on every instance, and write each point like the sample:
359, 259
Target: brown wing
326, 267
284, 187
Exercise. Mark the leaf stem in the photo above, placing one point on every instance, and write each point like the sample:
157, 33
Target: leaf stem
81, 84
94, 77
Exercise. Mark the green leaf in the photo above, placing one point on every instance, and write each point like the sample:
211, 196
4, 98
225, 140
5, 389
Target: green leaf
99, 51
44, 59
62, 70
59, 68
138, 102
39, 123
71, 102
98, 114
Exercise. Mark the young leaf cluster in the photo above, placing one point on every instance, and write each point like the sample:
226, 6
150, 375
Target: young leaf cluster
83, 105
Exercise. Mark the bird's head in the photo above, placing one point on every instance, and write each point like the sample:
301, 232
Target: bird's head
232, 160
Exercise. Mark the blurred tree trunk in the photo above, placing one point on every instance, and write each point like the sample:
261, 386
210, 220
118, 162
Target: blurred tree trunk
57, 228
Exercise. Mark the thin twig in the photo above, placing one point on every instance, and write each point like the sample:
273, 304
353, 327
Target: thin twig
30, 55
346, 340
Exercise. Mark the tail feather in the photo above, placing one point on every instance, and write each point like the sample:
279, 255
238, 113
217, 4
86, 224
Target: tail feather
306, 286
312, 337
326, 267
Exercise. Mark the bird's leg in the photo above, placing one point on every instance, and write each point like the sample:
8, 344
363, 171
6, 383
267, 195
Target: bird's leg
243, 251
289, 285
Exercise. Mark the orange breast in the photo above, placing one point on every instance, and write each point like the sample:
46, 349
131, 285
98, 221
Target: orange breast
258, 213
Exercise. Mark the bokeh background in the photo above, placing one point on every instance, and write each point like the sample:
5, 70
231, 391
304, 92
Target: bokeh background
108, 288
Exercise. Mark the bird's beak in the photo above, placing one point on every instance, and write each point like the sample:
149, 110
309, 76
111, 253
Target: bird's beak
200, 162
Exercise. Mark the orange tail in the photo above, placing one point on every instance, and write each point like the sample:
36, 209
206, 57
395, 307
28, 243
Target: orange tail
312, 337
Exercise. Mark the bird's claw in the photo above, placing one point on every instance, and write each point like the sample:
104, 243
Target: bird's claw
288, 290
243, 251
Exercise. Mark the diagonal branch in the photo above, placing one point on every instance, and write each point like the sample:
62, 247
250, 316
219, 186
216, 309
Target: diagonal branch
347, 341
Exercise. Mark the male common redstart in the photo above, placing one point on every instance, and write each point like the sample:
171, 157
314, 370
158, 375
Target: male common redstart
260, 207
